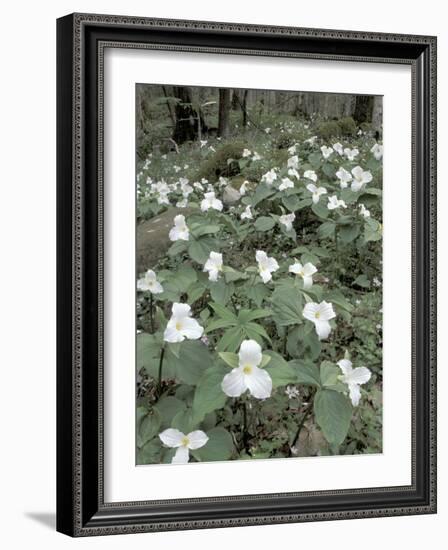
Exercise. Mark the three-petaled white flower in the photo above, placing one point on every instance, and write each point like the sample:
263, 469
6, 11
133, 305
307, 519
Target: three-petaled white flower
344, 177
305, 271
293, 162
248, 375
334, 202
320, 315
326, 151
180, 230
293, 172
351, 153
247, 214
353, 378
316, 192
269, 177
360, 178
287, 220
246, 153
286, 184
377, 151
338, 148
311, 175
210, 201
181, 325
149, 282
363, 211
183, 443
266, 265
213, 265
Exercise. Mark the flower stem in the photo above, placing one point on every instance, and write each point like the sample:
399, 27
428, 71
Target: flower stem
301, 423
151, 313
159, 380
244, 432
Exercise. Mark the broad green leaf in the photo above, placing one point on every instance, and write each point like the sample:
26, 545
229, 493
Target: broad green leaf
326, 230
230, 359
320, 210
262, 192
336, 297
149, 427
221, 291
291, 202
199, 230
199, 250
168, 407
307, 373
209, 396
219, 446
348, 233
177, 248
315, 159
257, 293
287, 306
183, 278
216, 324
195, 291
280, 371
149, 348
150, 453
333, 413
362, 281
329, 374
264, 223
247, 315
194, 358
231, 340
372, 230
223, 312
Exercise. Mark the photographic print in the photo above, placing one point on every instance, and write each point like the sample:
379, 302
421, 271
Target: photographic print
259, 274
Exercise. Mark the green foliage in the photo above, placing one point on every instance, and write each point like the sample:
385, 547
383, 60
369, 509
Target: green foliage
180, 385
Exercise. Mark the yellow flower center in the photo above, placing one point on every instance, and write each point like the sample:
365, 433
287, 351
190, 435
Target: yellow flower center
178, 325
317, 315
185, 441
247, 369
302, 273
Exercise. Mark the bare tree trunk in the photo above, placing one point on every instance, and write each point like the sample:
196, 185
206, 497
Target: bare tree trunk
244, 108
377, 114
187, 118
224, 109
363, 108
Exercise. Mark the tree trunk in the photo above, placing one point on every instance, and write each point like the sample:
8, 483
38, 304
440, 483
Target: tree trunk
224, 109
377, 114
363, 108
187, 118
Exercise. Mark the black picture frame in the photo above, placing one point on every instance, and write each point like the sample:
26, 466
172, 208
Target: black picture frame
81, 39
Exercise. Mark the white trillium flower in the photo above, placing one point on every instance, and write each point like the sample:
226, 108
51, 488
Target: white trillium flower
292, 391
210, 201
293, 172
223, 182
213, 265
248, 375
338, 148
198, 185
181, 325
311, 140
203, 143
293, 162
286, 184
149, 282
266, 265
246, 153
311, 175
334, 202
344, 177
320, 315
363, 211
353, 378
243, 188
292, 149
377, 151
256, 156
180, 230
316, 192
182, 204
305, 271
287, 220
326, 151
360, 178
269, 177
351, 154
183, 443
247, 214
